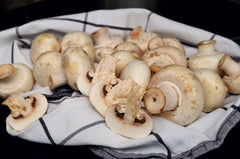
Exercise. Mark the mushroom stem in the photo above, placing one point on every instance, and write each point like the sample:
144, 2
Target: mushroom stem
164, 97
101, 36
133, 103
18, 105
206, 47
228, 65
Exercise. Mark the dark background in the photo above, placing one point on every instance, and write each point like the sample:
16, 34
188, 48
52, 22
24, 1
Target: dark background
221, 17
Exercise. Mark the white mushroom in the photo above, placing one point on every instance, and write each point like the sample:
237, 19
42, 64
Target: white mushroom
137, 70
145, 40
163, 56
170, 41
42, 43
176, 93
75, 61
214, 87
47, 64
206, 57
25, 111
232, 73
125, 57
130, 121
105, 71
81, 40
133, 48
15, 78
102, 40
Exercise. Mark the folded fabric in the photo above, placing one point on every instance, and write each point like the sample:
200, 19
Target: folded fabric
71, 119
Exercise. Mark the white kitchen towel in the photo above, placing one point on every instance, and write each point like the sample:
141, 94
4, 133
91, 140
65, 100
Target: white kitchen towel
71, 119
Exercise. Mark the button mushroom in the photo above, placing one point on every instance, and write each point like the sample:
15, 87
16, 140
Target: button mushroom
131, 121
75, 61
47, 64
137, 70
25, 111
42, 43
206, 57
170, 41
214, 87
176, 93
163, 56
102, 40
145, 40
105, 71
81, 40
15, 78
232, 73
133, 48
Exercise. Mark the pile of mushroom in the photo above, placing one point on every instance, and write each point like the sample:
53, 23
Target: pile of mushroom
118, 76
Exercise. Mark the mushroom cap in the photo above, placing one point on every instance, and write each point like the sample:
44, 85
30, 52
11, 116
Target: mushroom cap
75, 61
79, 39
125, 58
165, 55
141, 38
170, 41
20, 81
39, 105
133, 48
138, 71
233, 83
214, 87
6, 70
140, 128
42, 43
191, 89
47, 64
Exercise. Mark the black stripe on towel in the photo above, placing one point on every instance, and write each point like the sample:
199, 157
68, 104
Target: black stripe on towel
17, 33
12, 52
212, 37
169, 155
93, 24
148, 18
80, 130
85, 21
236, 107
46, 131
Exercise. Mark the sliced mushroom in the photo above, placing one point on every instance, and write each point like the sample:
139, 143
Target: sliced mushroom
137, 70
170, 41
105, 71
47, 64
130, 121
102, 39
133, 48
15, 78
176, 93
42, 43
232, 73
75, 61
104, 94
125, 57
81, 40
206, 57
163, 56
25, 111
145, 40
214, 87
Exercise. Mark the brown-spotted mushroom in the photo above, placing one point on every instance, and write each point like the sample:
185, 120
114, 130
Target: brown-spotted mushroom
175, 93
133, 48
15, 78
170, 41
75, 61
163, 56
145, 40
25, 111
129, 119
47, 64
214, 87
105, 71
42, 43
81, 40
138, 71
206, 57
232, 73
102, 40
